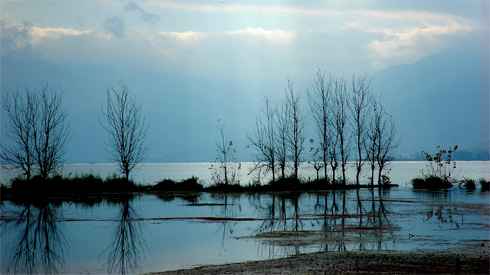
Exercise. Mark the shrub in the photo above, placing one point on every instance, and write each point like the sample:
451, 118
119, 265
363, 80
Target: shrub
190, 184
469, 184
440, 165
485, 184
430, 183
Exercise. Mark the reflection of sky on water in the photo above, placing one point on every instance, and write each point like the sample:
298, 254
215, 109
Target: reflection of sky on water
182, 231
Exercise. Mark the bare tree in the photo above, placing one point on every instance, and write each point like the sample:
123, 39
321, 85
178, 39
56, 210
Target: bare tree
340, 123
38, 129
22, 112
387, 142
282, 127
359, 108
262, 138
297, 123
126, 127
51, 131
381, 140
370, 146
226, 168
319, 100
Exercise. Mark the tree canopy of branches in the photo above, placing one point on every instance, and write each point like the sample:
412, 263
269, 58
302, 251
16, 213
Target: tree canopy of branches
126, 127
262, 139
38, 128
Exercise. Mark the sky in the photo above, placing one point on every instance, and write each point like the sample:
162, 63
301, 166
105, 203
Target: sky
239, 42
215, 39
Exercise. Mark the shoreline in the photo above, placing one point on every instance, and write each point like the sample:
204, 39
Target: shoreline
470, 258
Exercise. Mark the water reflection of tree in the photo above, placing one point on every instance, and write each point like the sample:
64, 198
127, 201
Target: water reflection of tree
227, 211
128, 245
41, 245
348, 221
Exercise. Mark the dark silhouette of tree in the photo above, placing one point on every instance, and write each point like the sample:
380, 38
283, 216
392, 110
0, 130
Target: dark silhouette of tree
296, 130
319, 101
22, 112
226, 167
281, 138
126, 127
340, 123
386, 128
262, 139
360, 101
39, 130
381, 140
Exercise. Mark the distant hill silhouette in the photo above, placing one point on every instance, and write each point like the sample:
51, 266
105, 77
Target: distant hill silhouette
436, 101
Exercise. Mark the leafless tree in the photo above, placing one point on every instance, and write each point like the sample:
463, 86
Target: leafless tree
126, 127
226, 168
22, 113
51, 131
39, 130
262, 139
340, 123
370, 146
297, 123
282, 127
360, 100
387, 142
381, 140
319, 101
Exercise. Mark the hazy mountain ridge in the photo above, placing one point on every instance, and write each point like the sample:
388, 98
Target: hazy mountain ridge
436, 101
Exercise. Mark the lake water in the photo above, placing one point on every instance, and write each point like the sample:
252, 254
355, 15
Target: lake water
155, 232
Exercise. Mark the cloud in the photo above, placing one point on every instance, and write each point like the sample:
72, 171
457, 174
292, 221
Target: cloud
14, 36
277, 35
145, 16
115, 25
187, 36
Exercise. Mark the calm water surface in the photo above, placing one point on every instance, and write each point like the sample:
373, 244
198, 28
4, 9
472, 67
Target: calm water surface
145, 233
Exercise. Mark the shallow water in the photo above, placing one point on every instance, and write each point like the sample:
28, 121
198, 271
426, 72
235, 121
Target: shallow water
149, 233
146, 233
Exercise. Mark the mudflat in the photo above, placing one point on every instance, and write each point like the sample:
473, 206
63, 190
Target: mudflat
470, 258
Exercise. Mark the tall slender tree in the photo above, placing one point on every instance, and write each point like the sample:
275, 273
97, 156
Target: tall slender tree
126, 127
282, 129
297, 124
262, 139
319, 101
360, 99
340, 122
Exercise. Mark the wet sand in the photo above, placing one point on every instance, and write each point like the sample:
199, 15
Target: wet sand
470, 258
